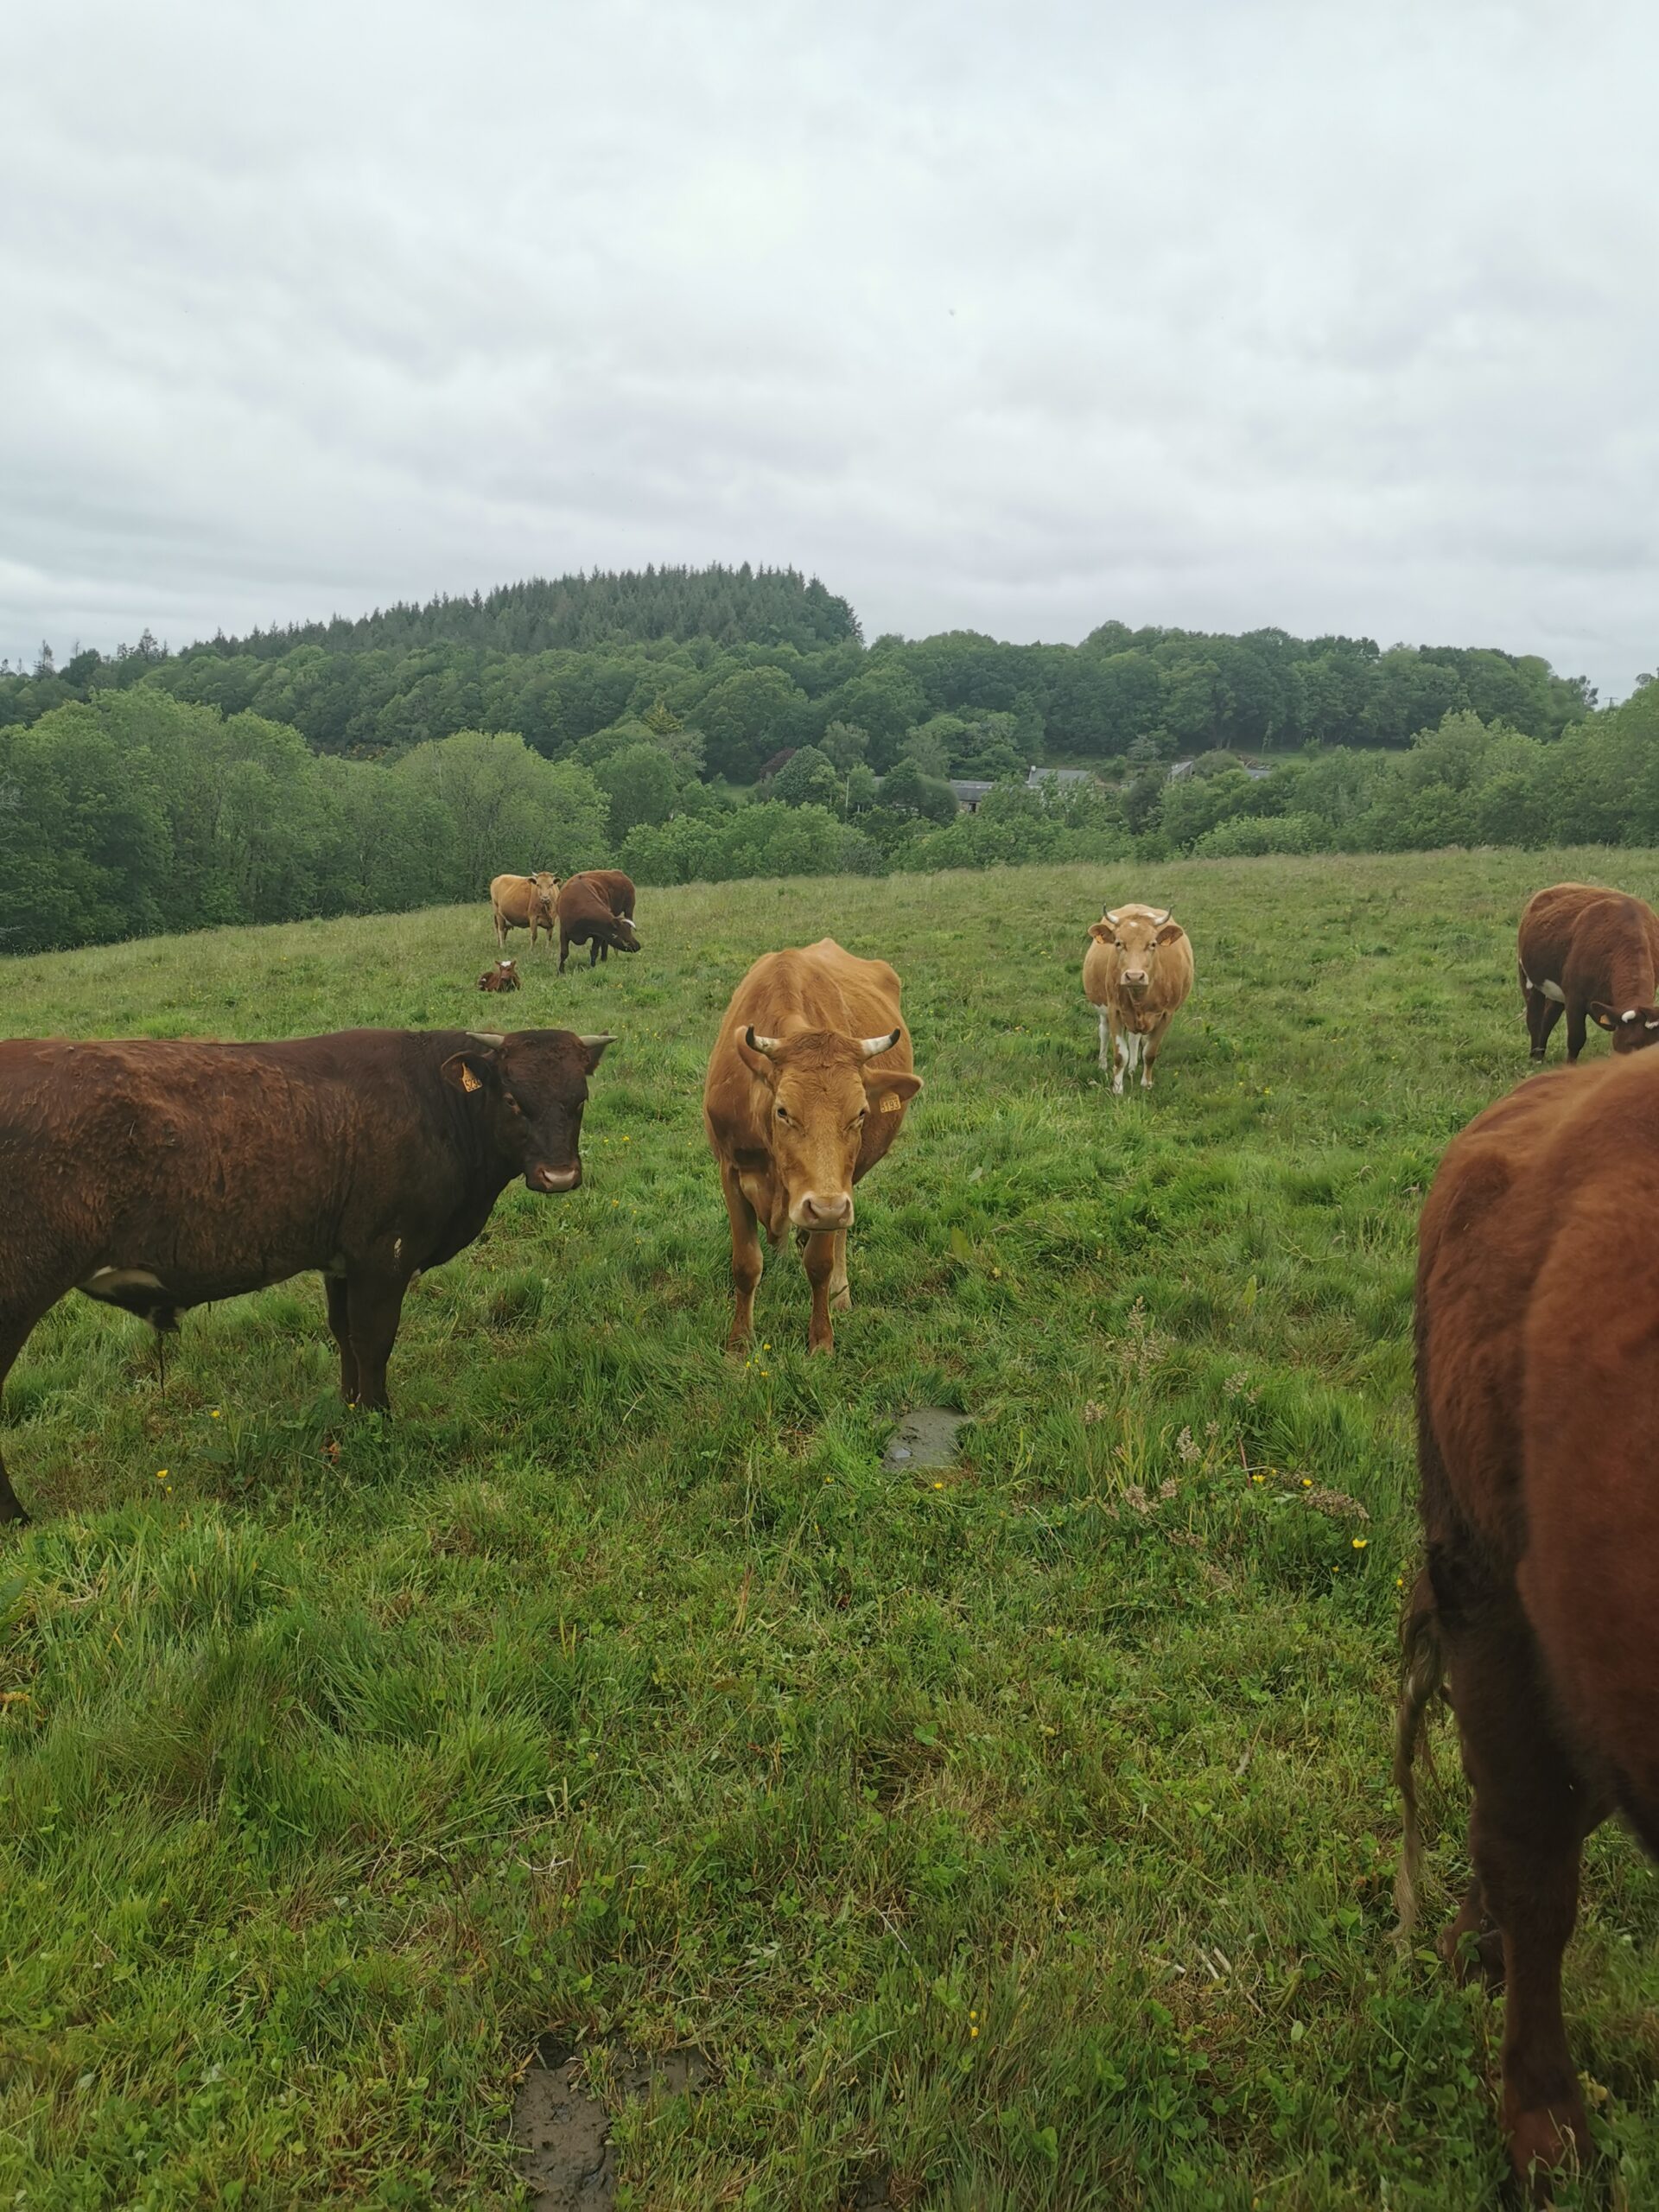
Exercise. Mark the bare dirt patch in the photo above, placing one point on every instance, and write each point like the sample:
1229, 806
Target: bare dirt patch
562, 2129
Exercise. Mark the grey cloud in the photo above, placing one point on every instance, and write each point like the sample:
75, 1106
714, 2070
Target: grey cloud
1336, 319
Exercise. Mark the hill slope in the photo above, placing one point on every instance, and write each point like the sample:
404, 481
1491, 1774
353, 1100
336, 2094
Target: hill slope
1018, 1836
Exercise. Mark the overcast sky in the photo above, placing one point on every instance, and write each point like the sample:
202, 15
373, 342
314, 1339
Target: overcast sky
1013, 317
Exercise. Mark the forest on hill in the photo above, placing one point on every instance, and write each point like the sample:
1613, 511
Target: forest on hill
758, 661
265, 779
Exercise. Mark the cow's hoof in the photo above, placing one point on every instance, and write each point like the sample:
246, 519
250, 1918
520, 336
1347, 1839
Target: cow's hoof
1117, 1088
1472, 1954
821, 1345
840, 1301
1542, 2141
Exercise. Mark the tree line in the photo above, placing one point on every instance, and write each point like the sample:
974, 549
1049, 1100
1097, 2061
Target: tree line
133, 810
758, 662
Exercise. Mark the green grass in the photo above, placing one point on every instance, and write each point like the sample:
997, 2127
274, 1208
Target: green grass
619, 1688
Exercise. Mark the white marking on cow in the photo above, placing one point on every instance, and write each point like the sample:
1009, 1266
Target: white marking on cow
397, 1250
1629, 1014
103, 1281
1552, 991
1105, 1038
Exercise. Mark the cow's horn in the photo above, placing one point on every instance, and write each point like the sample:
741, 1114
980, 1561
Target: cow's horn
1112, 919
595, 1044
491, 1037
765, 1045
1165, 916
871, 1045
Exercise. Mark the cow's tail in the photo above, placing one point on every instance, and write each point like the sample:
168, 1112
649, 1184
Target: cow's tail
1422, 1679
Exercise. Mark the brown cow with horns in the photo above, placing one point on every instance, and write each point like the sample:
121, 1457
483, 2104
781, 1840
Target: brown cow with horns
162, 1174
806, 1090
1538, 1374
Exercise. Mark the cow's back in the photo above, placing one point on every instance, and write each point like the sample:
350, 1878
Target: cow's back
190, 1151
613, 888
1588, 1373
1582, 923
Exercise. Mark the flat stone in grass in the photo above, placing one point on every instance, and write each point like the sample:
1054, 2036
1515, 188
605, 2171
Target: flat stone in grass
564, 2132
926, 1436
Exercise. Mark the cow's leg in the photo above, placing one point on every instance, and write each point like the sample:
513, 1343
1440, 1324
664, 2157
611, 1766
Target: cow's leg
500, 934
1149, 1048
1105, 1041
564, 947
604, 949
1578, 1029
1543, 1015
13, 1334
818, 1258
373, 1303
747, 1259
1120, 1056
841, 1296
339, 1323
1532, 1812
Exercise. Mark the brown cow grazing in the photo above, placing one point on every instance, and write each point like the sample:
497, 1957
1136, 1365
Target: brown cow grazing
524, 902
1537, 1371
1138, 970
807, 1088
1584, 951
161, 1175
596, 909
501, 976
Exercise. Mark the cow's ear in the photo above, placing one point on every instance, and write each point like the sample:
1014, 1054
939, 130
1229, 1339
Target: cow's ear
1169, 932
593, 1050
757, 1061
888, 1088
471, 1071
1604, 1015
1101, 931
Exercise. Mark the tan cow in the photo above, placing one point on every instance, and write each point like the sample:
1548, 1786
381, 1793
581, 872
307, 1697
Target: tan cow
1138, 970
807, 1088
524, 902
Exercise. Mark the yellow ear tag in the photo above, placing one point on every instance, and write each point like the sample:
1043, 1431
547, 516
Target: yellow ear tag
469, 1080
890, 1104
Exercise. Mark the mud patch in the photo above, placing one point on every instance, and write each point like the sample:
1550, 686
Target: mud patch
926, 1436
563, 2130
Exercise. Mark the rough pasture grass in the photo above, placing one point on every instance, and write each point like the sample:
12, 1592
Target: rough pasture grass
1024, 1841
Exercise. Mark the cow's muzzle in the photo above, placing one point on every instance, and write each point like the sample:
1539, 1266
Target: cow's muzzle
1135, 979
813, 1211
554, 1178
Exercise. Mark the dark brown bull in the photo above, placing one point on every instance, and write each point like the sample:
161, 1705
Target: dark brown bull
156, 1175
1537, 1372
1589, 953
596, 909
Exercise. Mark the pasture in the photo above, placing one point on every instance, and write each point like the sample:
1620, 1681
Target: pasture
1019, 1835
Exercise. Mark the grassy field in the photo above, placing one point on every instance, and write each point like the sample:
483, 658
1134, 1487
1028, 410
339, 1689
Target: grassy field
1019, 1839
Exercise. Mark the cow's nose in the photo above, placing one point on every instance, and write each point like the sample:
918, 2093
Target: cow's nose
554, 1179
817, 1212
1134, 977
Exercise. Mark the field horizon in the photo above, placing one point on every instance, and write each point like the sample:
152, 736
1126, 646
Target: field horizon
1018, 1835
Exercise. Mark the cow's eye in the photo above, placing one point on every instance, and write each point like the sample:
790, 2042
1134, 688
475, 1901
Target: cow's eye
782, 1115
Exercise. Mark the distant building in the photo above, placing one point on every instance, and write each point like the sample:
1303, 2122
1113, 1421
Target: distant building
1039, 777
969, 794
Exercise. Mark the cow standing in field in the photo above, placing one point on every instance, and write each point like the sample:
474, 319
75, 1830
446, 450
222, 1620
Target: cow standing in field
501, 976
159, 1175
596, 909
806, 1090
1538, 1374
1588, 952
1138, 970
524, 902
